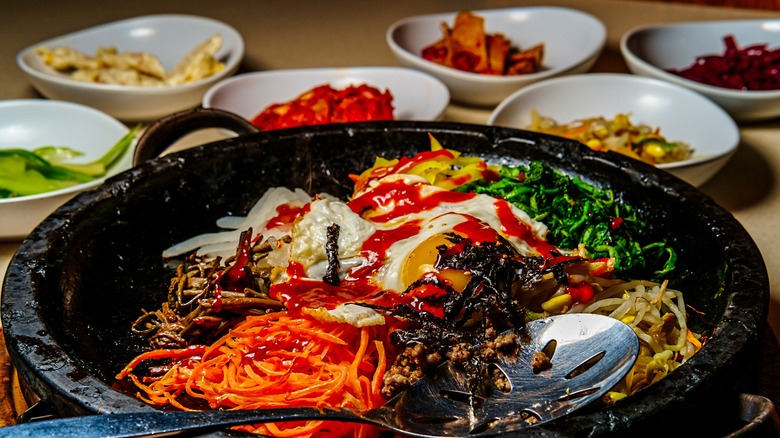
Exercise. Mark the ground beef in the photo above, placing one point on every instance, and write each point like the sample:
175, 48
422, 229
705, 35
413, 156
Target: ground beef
506, 341
408, 367
418, 358
540, 362
500, 380
459, 353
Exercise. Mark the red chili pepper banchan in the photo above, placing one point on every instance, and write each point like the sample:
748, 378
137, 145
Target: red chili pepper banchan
325, 104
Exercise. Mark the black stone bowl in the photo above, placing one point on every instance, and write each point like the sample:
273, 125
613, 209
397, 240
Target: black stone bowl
84, 274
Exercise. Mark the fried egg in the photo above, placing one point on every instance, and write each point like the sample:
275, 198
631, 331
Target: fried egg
391, 231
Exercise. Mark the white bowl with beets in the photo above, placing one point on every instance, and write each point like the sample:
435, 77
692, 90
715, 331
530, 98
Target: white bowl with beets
655, 50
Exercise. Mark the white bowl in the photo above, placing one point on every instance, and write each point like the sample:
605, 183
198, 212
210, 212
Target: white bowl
168, 37
30, 123
651, 50
680, 114
572, 41
416, 96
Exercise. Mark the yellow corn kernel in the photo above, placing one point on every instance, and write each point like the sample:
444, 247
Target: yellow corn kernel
594, 143
655, 150
613, 397
621, 122
557, 304
601, 131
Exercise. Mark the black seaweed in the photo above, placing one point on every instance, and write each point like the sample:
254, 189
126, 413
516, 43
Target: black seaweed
332, 250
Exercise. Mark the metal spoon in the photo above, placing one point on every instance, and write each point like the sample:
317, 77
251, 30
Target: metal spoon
589, 354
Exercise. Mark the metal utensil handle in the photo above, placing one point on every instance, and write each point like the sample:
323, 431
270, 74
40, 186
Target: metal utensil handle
159, 423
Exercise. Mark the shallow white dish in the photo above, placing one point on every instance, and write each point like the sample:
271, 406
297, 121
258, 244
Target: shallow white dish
30, 123
651, 50
168, 37
572, 42
416, 96
681, 114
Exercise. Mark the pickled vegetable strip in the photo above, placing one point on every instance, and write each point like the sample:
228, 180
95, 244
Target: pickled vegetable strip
46, 169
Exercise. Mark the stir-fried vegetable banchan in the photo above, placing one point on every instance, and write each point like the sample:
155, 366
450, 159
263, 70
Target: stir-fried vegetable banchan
309, 300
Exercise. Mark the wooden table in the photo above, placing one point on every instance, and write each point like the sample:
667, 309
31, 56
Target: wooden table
309, 33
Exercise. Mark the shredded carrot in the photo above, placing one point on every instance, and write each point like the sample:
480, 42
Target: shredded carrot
184, 353
275, 360
692, 339
576, 131
381, 367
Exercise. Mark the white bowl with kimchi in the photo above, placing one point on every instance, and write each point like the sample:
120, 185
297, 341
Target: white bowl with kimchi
136, 69
660, 123
326, 95
484, 56
735, 63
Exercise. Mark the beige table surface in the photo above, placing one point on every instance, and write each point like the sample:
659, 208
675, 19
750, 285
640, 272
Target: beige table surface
298, 34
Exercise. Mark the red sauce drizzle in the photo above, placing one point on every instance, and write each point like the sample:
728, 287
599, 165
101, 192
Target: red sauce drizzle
459, 180
375, 249
301, 292
407, 198
426, 298
561, 259
285, 215
490, 175
512, 226
296, 270
238, 276
476, 231
216, 302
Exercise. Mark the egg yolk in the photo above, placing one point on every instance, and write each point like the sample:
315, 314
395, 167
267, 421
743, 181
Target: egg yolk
422, 259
